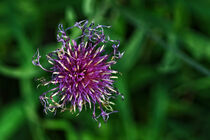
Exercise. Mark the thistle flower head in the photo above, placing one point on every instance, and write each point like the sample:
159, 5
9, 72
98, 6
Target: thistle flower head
81, 71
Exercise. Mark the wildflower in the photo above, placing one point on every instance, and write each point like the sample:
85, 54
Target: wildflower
81, 72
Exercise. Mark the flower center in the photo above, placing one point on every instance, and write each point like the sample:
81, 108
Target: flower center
80, 76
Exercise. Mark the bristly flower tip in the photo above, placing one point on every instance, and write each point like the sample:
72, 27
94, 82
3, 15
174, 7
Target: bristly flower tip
81, 72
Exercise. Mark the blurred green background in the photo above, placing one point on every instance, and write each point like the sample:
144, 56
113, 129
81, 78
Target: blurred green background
165, 69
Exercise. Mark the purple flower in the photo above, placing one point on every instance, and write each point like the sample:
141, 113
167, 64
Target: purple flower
81, 72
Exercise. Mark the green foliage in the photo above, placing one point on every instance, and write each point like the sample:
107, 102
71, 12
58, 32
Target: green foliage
164, 72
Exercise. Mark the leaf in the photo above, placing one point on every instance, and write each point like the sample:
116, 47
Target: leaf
125, 111
132, 51
17, 72
197, 44
159, 104
11, 119
88, 7
170, 62
61, 125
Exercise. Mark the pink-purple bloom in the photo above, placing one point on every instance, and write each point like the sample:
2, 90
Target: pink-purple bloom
81, 71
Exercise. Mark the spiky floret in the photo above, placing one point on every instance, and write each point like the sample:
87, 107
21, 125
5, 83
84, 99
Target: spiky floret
81, 72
